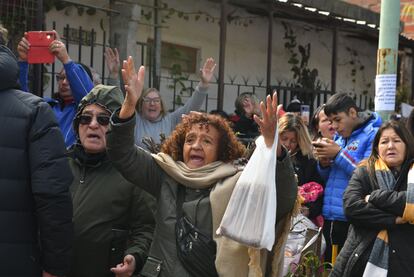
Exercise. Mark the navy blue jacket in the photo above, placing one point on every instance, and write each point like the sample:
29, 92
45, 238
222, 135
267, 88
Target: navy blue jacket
35, 204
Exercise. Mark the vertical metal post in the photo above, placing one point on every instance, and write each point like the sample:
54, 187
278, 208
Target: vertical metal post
269, 52
80, 45
334, 59
222, 54
103, 56
157, 46
37, 68
387, 55
53, 73
92, 46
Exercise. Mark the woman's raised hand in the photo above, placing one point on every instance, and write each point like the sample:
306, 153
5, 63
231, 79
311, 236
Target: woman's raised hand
207, 71
134, 83
268, 122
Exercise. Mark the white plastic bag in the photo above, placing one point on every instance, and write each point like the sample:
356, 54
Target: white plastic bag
295, 245
250, 215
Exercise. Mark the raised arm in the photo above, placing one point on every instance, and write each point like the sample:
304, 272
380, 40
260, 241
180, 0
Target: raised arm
79, 81
196, 100
135, 164
114, 64
22, 50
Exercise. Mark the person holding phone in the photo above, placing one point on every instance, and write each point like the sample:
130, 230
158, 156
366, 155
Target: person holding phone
74, 82
337, 160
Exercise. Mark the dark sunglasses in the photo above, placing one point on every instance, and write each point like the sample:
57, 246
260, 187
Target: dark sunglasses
86, 119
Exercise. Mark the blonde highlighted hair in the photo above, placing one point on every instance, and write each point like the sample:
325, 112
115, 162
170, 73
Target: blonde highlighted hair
290, 122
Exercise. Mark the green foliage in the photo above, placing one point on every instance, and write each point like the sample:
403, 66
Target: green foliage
310, 265
167, 12
178, 77
299, 58
357, 71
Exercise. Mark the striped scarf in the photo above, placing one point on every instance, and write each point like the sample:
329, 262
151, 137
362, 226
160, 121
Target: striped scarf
378, 260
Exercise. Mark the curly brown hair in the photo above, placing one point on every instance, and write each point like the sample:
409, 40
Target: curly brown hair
229, 147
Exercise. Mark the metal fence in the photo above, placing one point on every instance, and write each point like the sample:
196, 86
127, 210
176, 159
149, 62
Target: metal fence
286, 94
86, 48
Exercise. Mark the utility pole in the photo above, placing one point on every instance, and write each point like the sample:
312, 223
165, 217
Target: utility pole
387, 55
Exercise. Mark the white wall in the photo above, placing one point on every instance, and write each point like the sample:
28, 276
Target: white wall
246, 49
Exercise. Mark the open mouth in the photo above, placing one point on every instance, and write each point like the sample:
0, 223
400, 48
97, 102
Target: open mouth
197, 160
93, 137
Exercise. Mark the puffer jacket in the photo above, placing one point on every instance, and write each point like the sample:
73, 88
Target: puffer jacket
139, 167
353, 150
367, 219
112, 217
35, 205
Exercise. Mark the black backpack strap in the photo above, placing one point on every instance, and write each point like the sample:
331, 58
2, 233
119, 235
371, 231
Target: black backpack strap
180, 200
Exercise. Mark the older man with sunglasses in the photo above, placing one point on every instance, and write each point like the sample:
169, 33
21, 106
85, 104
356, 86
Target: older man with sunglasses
74, 82
113, 219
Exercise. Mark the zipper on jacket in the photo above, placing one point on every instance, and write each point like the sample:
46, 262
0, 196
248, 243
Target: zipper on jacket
82, 176
330, 232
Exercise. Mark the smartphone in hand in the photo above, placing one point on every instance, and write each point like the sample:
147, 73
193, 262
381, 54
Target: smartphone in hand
304, 114
39, 47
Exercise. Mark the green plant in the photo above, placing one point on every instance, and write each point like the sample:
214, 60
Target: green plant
178, 77
357, 71
310, 265
168, 12
299, 57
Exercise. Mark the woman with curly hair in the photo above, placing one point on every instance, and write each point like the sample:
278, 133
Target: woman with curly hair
192, 179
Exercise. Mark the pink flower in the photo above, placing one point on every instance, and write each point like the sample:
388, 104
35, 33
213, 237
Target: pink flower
310, 191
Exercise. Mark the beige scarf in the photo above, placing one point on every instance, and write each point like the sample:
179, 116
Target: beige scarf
232, 259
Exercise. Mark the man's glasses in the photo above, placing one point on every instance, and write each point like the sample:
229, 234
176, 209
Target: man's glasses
60, 77
86, 119
151, 100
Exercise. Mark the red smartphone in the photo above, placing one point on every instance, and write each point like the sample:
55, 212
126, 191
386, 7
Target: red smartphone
39, 47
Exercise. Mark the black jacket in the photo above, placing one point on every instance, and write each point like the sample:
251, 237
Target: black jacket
35, 204
112, 216
307, 171
367, 219
246, 127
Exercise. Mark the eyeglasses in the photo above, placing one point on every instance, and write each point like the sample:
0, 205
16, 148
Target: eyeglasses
60, 77
151, 100
86, 119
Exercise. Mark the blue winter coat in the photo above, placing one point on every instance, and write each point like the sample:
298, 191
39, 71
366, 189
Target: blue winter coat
80, 84
354, 149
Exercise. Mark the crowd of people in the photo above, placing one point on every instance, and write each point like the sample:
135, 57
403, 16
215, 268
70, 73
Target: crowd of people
101, 181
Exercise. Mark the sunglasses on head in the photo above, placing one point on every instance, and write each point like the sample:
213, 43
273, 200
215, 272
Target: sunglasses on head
86, 119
